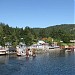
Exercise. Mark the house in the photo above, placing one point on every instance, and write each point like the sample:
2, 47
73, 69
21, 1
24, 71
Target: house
42, 45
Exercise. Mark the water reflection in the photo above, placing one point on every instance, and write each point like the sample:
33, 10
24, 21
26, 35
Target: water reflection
51, 63
58, 53
67, 54
4, 59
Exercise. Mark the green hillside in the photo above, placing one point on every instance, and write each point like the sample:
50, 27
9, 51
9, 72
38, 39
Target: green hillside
64, 32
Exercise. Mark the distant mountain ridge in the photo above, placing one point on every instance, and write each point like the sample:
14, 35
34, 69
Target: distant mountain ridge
65, 27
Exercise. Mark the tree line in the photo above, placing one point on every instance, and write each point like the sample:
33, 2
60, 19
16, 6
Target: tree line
29, 36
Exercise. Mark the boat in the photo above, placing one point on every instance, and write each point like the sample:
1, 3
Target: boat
21, 49
54, 48
2, 50
68, 50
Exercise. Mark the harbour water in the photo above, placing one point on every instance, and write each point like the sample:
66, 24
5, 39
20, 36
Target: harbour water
51, 63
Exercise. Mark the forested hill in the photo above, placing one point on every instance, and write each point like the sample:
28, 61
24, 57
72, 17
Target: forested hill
64, 32
67, 28
64, 27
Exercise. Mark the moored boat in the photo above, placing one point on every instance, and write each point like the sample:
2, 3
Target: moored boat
21, 49
67, 50
2, 50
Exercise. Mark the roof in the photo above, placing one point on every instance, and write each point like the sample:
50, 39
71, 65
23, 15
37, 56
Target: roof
12, 49
40, 42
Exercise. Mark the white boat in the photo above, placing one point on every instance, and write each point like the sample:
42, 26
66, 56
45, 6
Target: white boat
68, 50
21, 49
2, 50
53, 47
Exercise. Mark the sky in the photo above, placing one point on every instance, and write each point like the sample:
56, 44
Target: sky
37, 13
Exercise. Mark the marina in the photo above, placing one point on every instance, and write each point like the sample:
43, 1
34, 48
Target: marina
37, 59
37, 37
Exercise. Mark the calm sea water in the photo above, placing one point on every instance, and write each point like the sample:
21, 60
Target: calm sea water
52, 63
